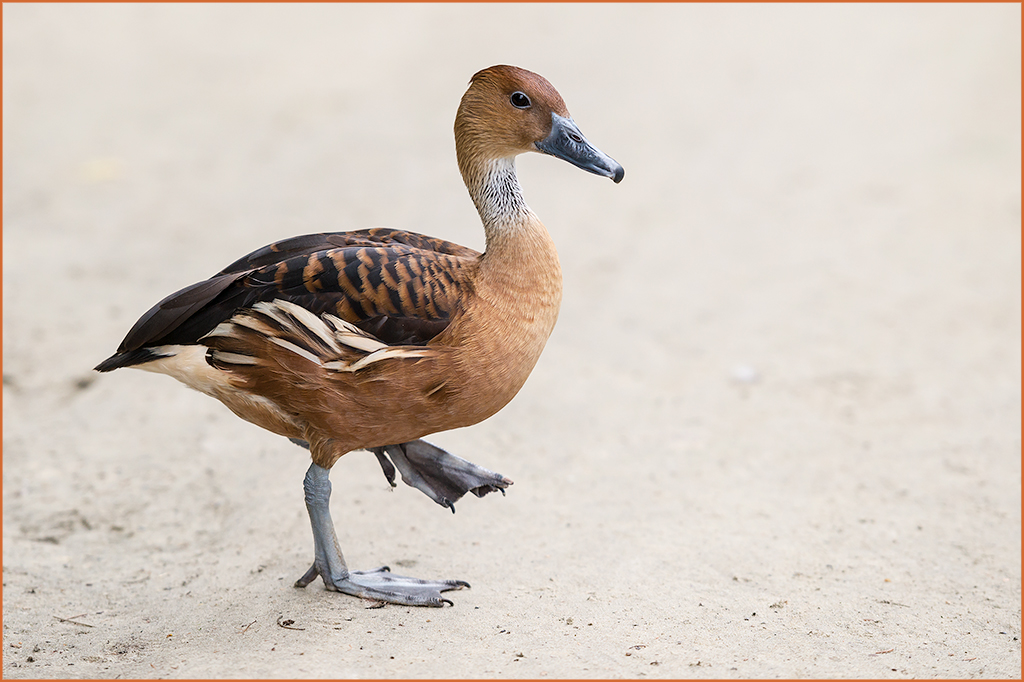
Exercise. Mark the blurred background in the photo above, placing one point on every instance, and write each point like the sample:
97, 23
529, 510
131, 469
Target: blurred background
775, 433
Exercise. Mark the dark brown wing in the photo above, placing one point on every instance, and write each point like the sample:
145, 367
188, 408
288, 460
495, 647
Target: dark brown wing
401, 287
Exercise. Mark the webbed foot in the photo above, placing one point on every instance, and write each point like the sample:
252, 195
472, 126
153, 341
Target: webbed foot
440, 475
381, 584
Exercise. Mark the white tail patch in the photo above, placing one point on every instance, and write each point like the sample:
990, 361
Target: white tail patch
188, 365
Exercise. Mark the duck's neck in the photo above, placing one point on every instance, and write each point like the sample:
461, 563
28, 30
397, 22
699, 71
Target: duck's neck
520, 254
498, 198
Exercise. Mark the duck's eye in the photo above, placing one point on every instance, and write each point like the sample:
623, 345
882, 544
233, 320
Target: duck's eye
519, 100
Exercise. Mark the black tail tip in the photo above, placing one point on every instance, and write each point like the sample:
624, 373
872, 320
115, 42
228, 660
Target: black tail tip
138, 356
109, 365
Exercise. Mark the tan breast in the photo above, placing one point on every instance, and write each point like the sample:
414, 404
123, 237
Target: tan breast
517, 294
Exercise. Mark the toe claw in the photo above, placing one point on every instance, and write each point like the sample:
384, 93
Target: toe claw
308, 577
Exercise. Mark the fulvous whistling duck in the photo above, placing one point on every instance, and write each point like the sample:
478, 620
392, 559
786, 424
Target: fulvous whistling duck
376, 338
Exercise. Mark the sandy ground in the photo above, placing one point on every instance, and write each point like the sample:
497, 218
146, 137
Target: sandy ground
776, 432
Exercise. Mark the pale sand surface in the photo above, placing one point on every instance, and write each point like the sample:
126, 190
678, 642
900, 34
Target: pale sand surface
776, 432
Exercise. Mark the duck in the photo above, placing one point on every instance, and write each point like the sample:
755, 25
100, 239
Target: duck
377, 338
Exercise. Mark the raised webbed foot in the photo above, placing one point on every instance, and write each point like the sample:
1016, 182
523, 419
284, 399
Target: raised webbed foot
440, 475
382, 585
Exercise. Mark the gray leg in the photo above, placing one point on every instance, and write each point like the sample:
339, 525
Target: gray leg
329, 564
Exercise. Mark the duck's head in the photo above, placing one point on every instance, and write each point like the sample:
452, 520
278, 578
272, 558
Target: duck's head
508, 111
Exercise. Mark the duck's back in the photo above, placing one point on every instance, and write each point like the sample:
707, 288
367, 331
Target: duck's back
399, 286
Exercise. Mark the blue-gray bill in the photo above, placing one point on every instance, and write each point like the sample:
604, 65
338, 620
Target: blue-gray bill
566, 142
